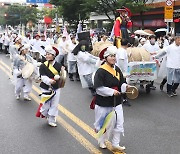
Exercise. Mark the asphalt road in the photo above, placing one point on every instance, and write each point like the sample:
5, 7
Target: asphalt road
151, 124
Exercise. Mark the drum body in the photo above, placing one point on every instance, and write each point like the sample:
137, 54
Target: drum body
62, 80
27, 70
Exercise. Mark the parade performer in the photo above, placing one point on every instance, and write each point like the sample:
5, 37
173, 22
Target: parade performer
121, 25
122, 63
49, 73
86, 65
63, 51
72, 62
13, 50
1, 42
16, 44
7, 40
44, 41
173, 66
38, 51
22, 84
50, 39
152, 47
163, 69
108, 82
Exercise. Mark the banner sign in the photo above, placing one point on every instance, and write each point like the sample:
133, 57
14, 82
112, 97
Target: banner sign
142, 71
37, 1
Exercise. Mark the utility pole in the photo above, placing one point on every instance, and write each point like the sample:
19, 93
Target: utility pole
57, 23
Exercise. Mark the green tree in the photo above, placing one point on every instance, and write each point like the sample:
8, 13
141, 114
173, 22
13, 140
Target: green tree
110, 6
2, 13
73, 10
17, 14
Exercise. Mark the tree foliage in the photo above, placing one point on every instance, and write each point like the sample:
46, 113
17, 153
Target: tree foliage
73, 10
2, 12
17, 14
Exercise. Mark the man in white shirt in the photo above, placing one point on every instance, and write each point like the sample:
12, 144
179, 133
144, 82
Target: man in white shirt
50, 39
6, 43
173, 66
152, 47
63, 50
44, 42
38, 51
122, 63
72, 61
1, 41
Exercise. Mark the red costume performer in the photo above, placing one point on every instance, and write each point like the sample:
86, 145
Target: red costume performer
121, 25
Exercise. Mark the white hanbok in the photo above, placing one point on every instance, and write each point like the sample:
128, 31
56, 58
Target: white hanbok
86, 66
22, 86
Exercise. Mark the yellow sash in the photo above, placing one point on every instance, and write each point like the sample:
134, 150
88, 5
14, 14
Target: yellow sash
51, 68
111, 70
45, 98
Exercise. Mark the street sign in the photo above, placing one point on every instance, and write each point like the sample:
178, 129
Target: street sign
169, 2
168, 16
168, 11
37, 1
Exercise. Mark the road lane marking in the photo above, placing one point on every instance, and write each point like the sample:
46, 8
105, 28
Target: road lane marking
82, 140
91, 148
9, 74
75, 119
71, 116
5, 65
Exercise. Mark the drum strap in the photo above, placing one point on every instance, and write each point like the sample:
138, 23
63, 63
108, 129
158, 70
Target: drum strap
51, 68
111, 70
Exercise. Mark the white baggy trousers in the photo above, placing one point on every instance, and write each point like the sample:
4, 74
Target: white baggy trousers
100, 113
22, 85
50, 108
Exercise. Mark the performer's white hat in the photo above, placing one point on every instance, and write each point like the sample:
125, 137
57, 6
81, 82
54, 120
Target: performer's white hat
112, 50
143, 40
23, 47
17, 38
52, 50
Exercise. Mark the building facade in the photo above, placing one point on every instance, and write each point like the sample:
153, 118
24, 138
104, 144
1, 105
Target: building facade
154, 17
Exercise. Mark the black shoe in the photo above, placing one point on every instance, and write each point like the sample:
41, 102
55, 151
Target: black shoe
174, 93
93, 93
126, 102
77, 79
71, 79
170, 94
141, 86
161, 87
153, 87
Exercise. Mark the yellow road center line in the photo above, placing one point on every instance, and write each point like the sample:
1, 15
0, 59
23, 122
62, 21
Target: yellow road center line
82, 140
5, 65
9, 74
72, 131
78, 122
